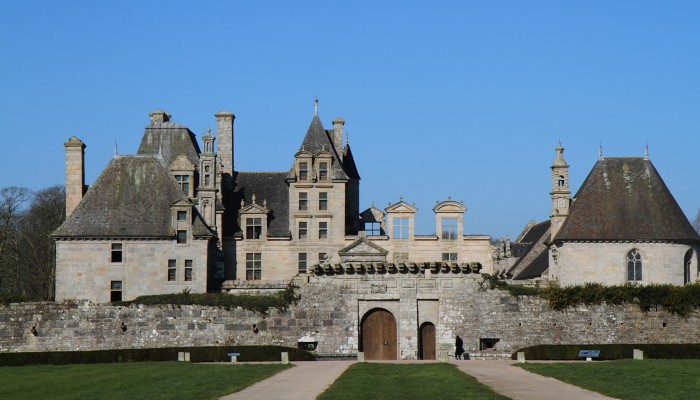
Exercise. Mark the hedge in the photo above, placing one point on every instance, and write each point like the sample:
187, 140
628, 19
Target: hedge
197, 354
611, 351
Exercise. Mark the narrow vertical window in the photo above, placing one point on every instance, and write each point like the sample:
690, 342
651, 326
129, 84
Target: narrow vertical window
115, 293
302, 263
323, 230
400, 228
323, 171
172, 270
182, 236
560, 182
188, 270
303, 171
116, 255
303, 201
253, 228
634, 266
449, 228
303, 229
323, 201
253, 266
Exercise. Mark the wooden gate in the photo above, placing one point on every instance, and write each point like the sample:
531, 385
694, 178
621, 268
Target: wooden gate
378, 332
427, 341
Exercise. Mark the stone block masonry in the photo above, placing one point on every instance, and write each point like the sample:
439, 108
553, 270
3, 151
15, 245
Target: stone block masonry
330, 312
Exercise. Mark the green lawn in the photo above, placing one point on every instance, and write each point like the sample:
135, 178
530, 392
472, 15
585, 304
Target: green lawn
130, 381
407, 381
629, 379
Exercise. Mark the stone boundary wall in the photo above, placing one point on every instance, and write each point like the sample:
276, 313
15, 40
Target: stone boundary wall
329, 313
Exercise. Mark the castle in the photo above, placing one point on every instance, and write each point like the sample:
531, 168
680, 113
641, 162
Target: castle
177, 216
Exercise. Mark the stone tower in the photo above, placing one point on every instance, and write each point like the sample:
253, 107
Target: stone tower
75, 173
561, 195
224, 133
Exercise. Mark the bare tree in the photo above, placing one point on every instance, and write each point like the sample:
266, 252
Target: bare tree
13, 201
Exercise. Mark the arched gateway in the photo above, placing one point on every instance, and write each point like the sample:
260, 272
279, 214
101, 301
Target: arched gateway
378, 335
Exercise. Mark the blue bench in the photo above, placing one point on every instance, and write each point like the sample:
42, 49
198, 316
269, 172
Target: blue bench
589, 354
234, 356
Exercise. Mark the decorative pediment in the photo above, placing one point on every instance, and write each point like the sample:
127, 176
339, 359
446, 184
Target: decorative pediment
363, 249
181, 163
449, 206
253, 208
401, 207
303, 154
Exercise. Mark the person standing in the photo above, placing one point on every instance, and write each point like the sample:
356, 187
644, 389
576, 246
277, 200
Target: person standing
459, 348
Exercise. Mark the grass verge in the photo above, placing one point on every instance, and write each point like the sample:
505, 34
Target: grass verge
146, 380
629, 379
406, 381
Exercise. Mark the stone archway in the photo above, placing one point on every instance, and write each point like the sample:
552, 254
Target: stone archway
378, 335
427, 341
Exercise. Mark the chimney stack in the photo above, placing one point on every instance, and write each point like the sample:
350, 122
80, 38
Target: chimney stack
75, 173
159, 116
224, 133
338, 135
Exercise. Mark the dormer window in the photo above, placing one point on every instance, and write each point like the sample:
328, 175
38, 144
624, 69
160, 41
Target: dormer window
449, 228
184, 182
323, 171
253, 228
182, 215
400, 228
303, 171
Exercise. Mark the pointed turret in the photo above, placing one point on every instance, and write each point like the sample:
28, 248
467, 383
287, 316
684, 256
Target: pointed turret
561, 195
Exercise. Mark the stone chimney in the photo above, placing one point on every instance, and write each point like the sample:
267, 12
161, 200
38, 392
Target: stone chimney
224, 133
338, 135
159, 116
75, 173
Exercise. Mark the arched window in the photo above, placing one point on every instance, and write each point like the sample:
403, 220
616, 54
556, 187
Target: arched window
560, 182
687, 265
634, 266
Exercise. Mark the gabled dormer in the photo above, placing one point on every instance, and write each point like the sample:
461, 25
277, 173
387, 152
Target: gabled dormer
323, 166
302, 172
254, 219
182, 170
181, 212
373, 222
449, 219
401, 220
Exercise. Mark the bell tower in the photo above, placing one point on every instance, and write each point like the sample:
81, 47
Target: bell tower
561, 195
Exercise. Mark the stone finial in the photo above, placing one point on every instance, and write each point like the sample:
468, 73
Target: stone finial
315, 105
116, 150
600, 151
646, 151
242, 203
253, 198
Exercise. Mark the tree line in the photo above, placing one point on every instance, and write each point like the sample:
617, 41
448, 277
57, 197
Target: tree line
27, 253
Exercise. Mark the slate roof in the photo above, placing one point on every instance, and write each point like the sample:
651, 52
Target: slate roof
266, 186
130, 199
319, 139
170, 140
533, 259
624, 198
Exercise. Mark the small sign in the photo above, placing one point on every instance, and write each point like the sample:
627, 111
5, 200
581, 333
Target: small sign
589, 353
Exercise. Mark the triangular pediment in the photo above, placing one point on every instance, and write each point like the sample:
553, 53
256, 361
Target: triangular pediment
401, 207
253, 209
363, 247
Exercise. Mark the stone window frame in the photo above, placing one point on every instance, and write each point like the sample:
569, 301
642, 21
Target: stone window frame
634, 261
323, 230
181, 215
324, 170
172, 270
449, 228
303, 263
253, 228
253, 266
303, 230
189, 271
116, 289
323, 201
303, 201
181, 236
401, 229
183, 181
116, 254
303, 171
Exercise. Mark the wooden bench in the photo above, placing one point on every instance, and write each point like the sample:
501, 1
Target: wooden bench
589, 355
234, 356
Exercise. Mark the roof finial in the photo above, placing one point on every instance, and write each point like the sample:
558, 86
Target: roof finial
600, 150
315, 105
646, 150
116, 151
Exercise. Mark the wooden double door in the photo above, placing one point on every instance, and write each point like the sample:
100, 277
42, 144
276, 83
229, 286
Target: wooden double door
378, 332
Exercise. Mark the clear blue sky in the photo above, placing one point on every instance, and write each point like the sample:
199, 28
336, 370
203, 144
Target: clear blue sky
441, 98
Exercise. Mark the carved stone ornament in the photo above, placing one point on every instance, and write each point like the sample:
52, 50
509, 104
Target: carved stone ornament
378, 288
